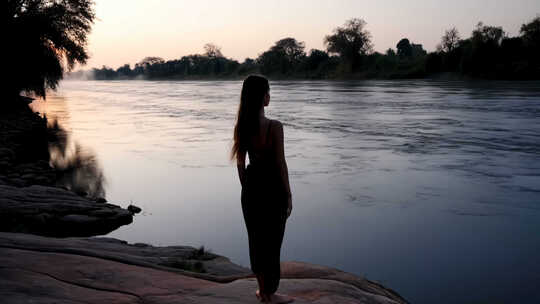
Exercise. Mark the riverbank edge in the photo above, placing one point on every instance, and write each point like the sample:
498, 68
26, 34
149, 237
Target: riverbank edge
100, 264
31, 200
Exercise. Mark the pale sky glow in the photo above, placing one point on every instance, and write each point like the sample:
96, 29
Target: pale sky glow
127, 31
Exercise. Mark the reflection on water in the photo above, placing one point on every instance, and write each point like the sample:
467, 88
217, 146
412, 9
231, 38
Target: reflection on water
77, 169
430, 187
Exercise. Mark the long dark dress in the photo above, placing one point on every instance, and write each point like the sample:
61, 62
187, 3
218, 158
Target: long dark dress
264, 203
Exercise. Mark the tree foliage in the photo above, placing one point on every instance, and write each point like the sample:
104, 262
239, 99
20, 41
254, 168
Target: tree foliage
282, 57
488, 34
290, 47
449, 41
351, 41
530, 33
404, 48
212, 50
45, 38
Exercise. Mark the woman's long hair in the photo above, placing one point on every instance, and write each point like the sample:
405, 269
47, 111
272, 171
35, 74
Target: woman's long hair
254, 89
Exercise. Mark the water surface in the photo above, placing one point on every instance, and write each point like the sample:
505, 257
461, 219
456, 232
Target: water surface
431, 188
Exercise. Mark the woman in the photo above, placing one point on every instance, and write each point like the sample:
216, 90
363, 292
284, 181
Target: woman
266, 196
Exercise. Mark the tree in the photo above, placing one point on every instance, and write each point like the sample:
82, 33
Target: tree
44, 39
433, 63
530, 32
350, 41
404, 48
315, 58
248, 66
449, 41
273, 62
482, 53
104, 73
390, 52
292, 49
148, 61
211, 50
124, 71
488, 34
418, 50
283, 57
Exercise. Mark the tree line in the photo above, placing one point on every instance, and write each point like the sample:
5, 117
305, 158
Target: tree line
46, 38
488, 53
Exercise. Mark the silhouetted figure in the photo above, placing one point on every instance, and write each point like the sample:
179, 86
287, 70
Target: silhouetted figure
266, 195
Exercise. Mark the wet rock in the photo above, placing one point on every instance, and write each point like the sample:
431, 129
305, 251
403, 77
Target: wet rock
53, 211
134, 209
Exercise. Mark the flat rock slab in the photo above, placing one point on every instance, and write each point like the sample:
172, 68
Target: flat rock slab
320, 291
216, 268
40, 274
57, 212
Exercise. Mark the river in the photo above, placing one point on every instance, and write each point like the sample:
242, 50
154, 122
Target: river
430, 187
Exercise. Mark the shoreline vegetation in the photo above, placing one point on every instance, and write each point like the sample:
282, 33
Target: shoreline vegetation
489, 53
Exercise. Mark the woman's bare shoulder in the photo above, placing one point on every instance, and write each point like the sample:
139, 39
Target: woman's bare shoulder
275, 123
276, 128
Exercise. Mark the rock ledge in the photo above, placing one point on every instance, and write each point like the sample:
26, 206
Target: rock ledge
104, 270
57, 212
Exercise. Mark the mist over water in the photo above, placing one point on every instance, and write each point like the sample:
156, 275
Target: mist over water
429, 187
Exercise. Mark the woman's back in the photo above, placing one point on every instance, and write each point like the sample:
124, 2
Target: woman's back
260, 147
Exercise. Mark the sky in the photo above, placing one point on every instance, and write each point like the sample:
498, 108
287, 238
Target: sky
127, 31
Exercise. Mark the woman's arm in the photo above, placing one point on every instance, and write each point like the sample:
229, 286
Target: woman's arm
241, 165
282, 163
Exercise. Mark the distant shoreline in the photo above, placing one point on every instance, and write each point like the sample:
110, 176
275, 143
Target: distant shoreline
434, 77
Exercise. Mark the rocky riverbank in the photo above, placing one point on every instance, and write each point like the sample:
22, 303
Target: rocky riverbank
103, 270
55, 196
